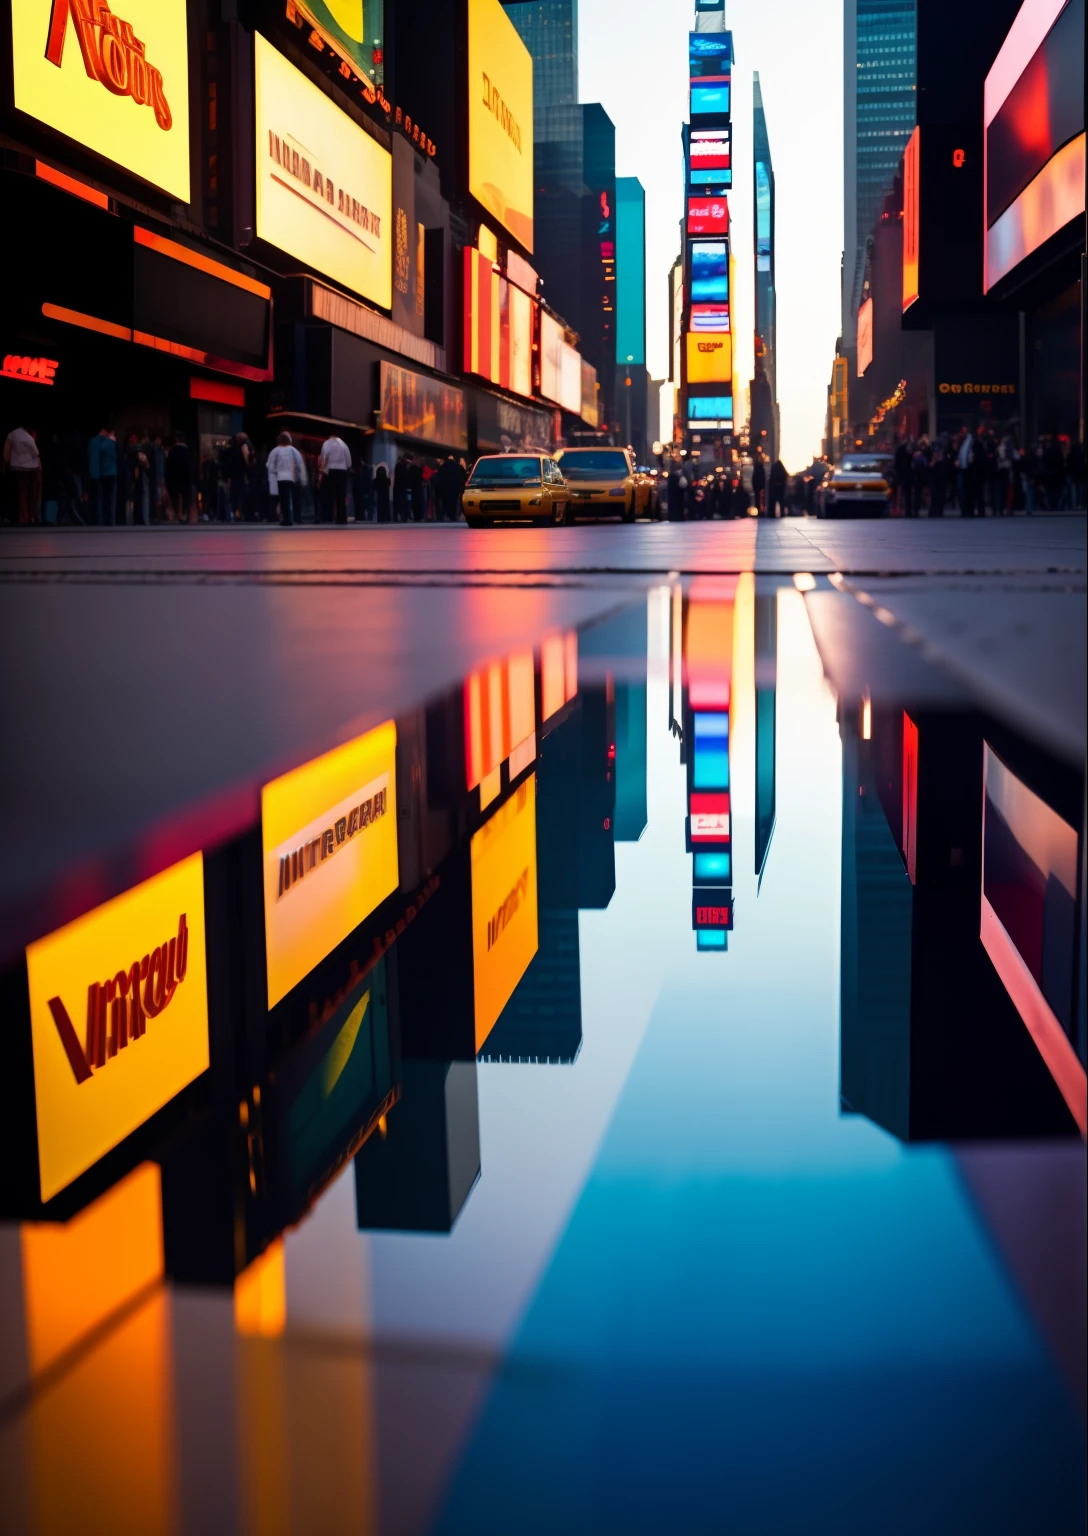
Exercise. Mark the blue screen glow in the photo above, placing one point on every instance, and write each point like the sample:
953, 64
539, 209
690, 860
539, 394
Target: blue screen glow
710, 938
714, 866
709, 100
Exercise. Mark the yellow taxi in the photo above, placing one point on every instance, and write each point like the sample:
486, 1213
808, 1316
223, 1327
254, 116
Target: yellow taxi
522, 486
604, 483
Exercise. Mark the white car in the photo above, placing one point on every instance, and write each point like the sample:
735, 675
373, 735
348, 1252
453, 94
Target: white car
861, 486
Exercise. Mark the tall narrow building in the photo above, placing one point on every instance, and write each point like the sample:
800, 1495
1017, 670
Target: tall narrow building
764, 389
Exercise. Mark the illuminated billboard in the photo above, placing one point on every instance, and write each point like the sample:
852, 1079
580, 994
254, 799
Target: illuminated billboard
763, 218
709, 271
352, 28
710, 317
630, 271
911, 209
570, 379
516, 341
324, 185
116, 83
709, 357
504, 905
415, 405
329, 840
590, 411
500, 119
1034, 139
708, 216
710, 149
865, 336
118, 1019
498, 326
710, 412
551, 358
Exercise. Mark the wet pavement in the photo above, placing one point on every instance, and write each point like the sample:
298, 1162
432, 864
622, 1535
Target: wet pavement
551, 1032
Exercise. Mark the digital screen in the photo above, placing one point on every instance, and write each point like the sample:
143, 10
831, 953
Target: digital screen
708, 216
414, 405
865, 336
329, 840
710, 317
352, 28
504, 905
551, 358
711, 757
709, 271
55, 83
324, 186
710, 411
483, 316
517, 341
500, 119
709, 357
712, 907
709, 100
704, 181
630, 271
191, 306
710, 150
118, 1019
710, 54
713, 867
570, 379
763, 218
711, 938
590, 411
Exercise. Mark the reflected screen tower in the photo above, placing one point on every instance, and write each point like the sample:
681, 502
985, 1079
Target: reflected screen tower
706, 353
764, 429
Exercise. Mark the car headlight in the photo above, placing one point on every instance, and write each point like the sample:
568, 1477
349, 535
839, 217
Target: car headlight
534, 501
618, 490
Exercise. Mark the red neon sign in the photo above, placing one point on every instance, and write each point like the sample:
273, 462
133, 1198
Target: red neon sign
34, 370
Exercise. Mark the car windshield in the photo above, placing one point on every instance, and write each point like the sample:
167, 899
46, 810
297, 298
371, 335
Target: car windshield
864, 464
593, 464
504, 471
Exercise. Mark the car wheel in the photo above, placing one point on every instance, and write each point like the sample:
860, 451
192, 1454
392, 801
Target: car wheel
629, 511
480, 522
568, 514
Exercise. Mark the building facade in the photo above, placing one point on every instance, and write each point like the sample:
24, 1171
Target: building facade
764, 428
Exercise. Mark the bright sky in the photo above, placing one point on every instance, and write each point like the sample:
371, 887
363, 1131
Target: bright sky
638, 71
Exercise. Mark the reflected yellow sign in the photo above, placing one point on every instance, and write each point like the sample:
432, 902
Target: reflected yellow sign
500, 119
324, 186
116, 81
118, 1017
710, 357
329, 835
504, 911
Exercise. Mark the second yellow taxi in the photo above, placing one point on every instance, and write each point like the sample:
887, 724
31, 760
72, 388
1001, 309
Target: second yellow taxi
515, 486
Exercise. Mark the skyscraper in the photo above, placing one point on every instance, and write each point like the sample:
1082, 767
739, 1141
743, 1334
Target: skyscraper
764, 390
879, 114
632, 377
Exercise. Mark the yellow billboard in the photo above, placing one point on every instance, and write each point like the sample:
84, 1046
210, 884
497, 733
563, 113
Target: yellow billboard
115, 82
500, 119
324, 186
710, 357
118, 1018
329, 840
504, 914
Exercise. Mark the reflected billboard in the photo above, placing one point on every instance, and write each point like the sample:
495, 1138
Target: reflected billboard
324, 185
329, 845
709, 149
415, 405
504, 905
498, 326
709, 357
500, 119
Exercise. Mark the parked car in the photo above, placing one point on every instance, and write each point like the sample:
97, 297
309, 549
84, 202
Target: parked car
520, 487
861, 486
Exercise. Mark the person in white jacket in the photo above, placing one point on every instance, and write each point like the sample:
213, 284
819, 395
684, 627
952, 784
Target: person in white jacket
286, 477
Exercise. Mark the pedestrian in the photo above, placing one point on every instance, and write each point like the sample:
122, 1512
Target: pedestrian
675, 487
160, 502
901, 464
24, 463
102, 475
1006, 462
364, 492
286, 478
1075, 470
759, 481
69, 486
137, 482
381, 493
332, 468
776, 488
415, 489
400, 488
179, 481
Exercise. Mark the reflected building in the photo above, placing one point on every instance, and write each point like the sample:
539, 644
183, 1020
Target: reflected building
958, 928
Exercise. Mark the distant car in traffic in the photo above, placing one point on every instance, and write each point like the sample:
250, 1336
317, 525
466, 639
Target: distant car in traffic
861, 486
604, 483
515, 487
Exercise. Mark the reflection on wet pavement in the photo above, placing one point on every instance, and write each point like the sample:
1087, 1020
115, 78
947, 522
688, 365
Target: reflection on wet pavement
637, 1088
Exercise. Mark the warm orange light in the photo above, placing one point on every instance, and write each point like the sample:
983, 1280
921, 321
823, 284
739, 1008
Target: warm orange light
31, 370
958, 157
912, 164
216, 393
504, 904
260, 1295
70, 184
202, 263
86, 322
1046, 205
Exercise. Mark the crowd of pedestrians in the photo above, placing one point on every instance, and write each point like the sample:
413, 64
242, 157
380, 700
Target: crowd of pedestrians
147, 477
981, 474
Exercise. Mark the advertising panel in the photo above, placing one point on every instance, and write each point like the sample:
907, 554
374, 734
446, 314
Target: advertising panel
709, 271
570, 379
711, 412
763, 218
324, 186
551, 358
352, 28
329, 838
708, 216
414, 405
117, 84
710, 317
517, 340
504, 905
865, 336
482, 328
590, 412
500, 119
710, 357
118, 1018
709, 100
710, 149
630, 271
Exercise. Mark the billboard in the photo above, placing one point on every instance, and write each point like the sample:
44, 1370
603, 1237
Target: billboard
118, 1019
709, 149
570, 379
708, 216
324, 186
116, 84
630, 271
504, 905
911, 206
352, 28
1034, 139
710, 317
500, 119
709, 357
710, 412
763, 218
415, 405
865, 336
551, 357
329, 841
590, 411
498, 326
709, 271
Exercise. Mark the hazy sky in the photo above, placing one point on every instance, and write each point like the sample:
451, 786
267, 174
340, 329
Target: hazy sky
633, 59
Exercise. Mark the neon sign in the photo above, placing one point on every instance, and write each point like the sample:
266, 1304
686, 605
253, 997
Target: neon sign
35, 370
112, 54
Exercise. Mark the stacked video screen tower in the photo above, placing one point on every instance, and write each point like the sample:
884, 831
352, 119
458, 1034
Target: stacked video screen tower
708, 349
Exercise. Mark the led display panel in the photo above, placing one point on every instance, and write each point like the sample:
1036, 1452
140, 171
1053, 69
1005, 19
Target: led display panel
708, 100
705, 181
570, 379
483, 316
415, 405
710, 149
118, 1019
709, 271
710, 767
590, 411
116, 83
763, 218
329, 840
710, 317
708, 216
324, 185
551, 358
630, 271
500, 119
865, 336
709, 357
713, 412
517, 341
504, 905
